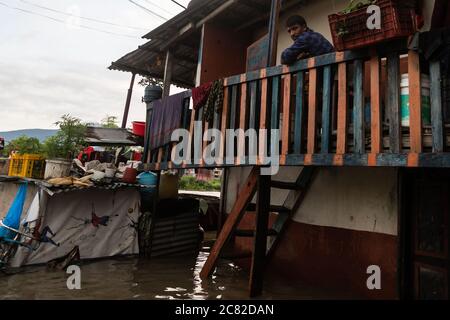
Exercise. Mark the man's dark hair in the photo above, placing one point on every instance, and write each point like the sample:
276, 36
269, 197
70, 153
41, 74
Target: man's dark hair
293, 20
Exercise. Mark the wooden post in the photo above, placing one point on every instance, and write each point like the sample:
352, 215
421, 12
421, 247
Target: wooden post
415, 102
285, 130
376, 121
298, 113
148, 248
341, 147
167, 74
128, 102
260, 241
312, 109
436, 107
273, 32
393, 103
358, 109
263, 117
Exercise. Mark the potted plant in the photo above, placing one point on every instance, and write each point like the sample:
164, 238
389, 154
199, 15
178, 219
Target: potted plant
350, 30
64, 146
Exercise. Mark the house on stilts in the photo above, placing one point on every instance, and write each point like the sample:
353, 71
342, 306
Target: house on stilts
363, 185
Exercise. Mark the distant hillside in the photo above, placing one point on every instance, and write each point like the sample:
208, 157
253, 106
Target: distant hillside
41, 134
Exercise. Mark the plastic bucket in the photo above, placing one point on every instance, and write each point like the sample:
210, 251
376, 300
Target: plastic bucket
148, 179
139, 128
426, 100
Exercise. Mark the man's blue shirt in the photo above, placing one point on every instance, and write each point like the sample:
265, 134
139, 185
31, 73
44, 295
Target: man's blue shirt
309, 42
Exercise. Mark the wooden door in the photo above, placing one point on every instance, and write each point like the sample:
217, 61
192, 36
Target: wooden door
430, 252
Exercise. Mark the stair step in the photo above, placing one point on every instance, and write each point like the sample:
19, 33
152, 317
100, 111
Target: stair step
285, 185
251, 233
280, 209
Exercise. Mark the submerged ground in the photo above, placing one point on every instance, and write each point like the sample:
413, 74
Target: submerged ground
138, 278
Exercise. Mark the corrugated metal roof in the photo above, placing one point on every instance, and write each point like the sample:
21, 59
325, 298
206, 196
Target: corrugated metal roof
52, 189
110, 136
196, 11
149, 59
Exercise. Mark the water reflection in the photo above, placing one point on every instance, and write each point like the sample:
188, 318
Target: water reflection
127, 278
135, 278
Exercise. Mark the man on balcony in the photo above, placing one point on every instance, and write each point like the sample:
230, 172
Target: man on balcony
307, 43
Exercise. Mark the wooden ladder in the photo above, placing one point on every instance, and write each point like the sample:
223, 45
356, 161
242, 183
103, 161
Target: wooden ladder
261, 185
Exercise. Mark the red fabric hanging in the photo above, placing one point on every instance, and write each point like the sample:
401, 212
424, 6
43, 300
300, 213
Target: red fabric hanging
200, 95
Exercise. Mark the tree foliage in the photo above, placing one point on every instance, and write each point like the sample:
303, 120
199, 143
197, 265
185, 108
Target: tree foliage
109, 122
69, 140
24, 145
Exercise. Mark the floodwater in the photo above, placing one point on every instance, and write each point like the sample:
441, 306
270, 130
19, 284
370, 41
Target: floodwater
139, 278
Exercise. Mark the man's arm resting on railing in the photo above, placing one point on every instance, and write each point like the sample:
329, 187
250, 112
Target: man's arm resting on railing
297, 51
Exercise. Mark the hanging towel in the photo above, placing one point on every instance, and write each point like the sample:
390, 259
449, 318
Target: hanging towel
12, 218
165, 119
200, 95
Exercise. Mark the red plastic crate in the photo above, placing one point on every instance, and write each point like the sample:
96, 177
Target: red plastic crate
350, 30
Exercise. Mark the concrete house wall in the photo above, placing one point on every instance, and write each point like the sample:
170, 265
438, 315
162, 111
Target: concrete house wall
347, 222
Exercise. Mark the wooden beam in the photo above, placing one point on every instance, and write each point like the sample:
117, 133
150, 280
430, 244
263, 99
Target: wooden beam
245, 196
216, 12
436, 107
273, 32
341, 146
260, 240
224, 122
128, 102
242, 122
176, 57
312, 109
285, 130
326, 110
263, 118
253, 100
167, 74
393, 103
190, 154
358, 109
415, 102
375, 105
298, 114
183, 32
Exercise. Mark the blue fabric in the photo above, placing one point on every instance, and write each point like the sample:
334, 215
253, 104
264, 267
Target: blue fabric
12, 218
309, 42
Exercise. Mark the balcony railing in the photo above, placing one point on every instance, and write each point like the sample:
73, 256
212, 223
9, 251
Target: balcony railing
337, 109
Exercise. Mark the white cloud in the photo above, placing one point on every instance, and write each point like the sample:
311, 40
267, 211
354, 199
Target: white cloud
48, 70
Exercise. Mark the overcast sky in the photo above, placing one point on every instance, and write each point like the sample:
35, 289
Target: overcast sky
49, 68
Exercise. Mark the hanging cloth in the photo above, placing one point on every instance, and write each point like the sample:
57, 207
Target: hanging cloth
166, 118
200, 95
214, 102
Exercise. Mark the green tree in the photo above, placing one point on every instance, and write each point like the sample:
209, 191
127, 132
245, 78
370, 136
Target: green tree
24, 145
69, 140
109, 122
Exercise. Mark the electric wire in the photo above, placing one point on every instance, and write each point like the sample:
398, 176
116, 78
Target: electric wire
65, 22
81, 17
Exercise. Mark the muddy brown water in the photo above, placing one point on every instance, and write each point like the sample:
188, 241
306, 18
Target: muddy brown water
139, 278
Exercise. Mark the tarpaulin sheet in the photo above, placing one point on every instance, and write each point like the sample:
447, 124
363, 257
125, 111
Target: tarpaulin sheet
102, 223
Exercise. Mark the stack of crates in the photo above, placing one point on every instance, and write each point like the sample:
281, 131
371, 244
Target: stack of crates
27, 166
